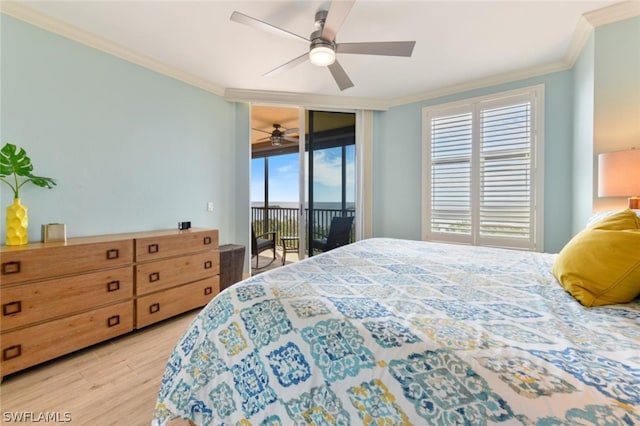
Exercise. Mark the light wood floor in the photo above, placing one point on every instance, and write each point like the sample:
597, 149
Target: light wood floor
112, 383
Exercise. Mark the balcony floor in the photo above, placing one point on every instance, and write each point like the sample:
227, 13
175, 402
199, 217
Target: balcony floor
266, 256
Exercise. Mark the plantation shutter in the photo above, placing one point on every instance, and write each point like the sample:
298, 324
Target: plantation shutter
505, 172
451, 174
479, 172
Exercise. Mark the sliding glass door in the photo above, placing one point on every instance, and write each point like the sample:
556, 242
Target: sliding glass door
330, 153
299, 185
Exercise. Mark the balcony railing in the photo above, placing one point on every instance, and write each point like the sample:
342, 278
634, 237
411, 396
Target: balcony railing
284, 221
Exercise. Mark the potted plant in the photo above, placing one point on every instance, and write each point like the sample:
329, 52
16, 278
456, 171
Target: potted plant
16, 170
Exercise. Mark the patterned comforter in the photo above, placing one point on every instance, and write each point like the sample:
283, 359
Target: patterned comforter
392, 332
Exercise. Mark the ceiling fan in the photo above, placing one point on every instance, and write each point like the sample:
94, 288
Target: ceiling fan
277, 136
322, 42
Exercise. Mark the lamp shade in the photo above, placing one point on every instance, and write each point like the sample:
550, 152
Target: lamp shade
619, 173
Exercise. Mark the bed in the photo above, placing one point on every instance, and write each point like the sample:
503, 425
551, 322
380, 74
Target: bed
388, 332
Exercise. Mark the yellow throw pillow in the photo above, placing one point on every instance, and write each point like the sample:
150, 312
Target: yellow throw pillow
601, 264
621, 220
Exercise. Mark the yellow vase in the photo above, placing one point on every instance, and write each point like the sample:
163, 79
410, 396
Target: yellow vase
17, 224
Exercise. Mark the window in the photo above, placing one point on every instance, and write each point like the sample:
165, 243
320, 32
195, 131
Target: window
482, 172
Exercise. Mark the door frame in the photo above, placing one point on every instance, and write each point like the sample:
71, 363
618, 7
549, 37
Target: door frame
364, 170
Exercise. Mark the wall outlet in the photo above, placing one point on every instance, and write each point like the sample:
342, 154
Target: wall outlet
210, 206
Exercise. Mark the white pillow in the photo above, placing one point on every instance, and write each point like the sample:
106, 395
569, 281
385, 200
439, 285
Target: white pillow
598, 216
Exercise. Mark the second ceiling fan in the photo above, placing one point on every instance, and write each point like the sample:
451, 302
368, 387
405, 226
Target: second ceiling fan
322, 42
277, 136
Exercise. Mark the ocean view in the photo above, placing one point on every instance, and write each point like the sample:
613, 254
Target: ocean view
295, 205
283, 216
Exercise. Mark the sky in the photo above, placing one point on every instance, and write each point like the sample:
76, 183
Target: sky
284, 180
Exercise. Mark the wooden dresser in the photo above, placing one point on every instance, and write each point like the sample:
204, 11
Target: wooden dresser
59, 297
175, 272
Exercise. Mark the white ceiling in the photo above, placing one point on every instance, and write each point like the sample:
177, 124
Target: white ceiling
458, 44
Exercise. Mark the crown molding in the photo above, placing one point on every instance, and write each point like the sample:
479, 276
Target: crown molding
483, 82
586, 24
580, 36
614, 13
589, 21
26, 14
304, 100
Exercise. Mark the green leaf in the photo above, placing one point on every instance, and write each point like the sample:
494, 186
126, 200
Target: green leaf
43, 181
14, 160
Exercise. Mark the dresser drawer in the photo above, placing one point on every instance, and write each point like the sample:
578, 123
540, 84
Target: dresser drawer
54, 261
164, 304
162, 274
29, 346
161, 246
44, 300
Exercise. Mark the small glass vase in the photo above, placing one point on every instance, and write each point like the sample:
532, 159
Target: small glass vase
17, 223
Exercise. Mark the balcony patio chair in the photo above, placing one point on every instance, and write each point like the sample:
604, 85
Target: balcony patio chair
339, 234
263, 242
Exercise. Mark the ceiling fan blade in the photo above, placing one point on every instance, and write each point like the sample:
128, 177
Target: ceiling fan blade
340, 76
289, 131
288, 65
387, 48
260, 130
290, 139
338, 12
241, 18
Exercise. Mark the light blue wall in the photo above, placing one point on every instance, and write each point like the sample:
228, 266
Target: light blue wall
397, 172
240, 180
582, 158
616, 110
617, 85
397, 151
607, 110
131, 149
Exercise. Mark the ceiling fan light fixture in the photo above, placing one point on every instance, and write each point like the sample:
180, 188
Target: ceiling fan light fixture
277, 136
322, 55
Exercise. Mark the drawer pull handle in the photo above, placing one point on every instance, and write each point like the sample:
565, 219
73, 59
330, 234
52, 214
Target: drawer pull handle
10, 268
154, 308
113, 286
11, 352
208, 291
11, 308
154, 248
113, 321
113, 254
207, 240
154, 276
208, 264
